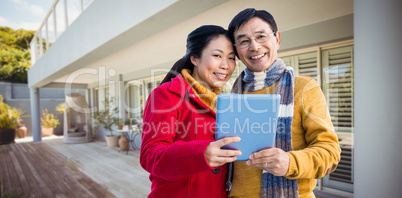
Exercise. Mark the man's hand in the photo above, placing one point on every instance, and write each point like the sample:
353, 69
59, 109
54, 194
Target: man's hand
216, 156
273, 160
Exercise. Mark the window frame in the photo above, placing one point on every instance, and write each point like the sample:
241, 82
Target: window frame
325, 184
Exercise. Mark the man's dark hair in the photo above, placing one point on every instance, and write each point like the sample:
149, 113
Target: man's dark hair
245, 15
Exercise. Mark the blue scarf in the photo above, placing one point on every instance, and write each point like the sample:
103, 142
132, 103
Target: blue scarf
273, 186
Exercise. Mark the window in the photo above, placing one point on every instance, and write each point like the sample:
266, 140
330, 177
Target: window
138, 92
332, 67
303, 64
337, 70
100, 95
338, 86
150, 87
134, 103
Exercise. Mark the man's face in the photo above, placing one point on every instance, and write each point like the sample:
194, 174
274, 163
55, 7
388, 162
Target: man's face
258, 56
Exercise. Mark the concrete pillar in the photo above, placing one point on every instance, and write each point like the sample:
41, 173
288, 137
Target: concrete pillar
378, 96
121, 97
88, 97
35, 113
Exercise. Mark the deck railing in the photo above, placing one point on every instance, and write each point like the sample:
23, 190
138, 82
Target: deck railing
60, 15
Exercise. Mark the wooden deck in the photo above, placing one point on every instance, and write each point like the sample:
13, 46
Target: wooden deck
54, 169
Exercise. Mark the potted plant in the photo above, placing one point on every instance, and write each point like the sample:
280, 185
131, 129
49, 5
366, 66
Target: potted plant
49, 122
106, 118
60, 108
21, 129
9, 120
133, 123
120, 124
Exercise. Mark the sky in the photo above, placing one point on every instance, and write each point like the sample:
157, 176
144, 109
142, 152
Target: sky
25, 14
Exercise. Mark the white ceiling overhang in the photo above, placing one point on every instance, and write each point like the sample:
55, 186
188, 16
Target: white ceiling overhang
159, 40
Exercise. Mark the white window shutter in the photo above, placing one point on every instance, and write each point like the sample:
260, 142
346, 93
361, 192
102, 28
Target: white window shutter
337, 69
338, 86
307, 65
290, 61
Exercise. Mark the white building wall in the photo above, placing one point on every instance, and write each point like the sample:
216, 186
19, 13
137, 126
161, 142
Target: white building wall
378, 96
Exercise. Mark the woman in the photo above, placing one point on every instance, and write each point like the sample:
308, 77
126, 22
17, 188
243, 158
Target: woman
178, 146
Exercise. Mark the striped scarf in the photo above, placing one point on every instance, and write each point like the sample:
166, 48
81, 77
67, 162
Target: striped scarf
273, 186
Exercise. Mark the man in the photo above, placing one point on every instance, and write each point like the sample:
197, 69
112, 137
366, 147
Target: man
307, 147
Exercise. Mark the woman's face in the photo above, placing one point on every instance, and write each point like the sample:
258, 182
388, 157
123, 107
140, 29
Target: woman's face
216, 64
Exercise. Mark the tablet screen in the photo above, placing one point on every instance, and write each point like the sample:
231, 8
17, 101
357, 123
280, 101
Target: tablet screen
252, 117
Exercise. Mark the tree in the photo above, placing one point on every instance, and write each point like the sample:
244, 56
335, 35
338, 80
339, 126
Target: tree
106, 115
15, 57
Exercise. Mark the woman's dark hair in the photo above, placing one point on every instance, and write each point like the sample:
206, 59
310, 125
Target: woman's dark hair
245, 15
197, 41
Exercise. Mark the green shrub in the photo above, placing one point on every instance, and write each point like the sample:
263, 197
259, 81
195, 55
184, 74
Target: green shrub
49, 120
10, 117
106, 116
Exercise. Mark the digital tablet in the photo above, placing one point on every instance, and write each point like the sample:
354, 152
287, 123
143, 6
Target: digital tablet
252, 117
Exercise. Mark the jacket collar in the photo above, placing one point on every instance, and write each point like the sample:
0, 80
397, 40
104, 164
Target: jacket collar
180, 87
